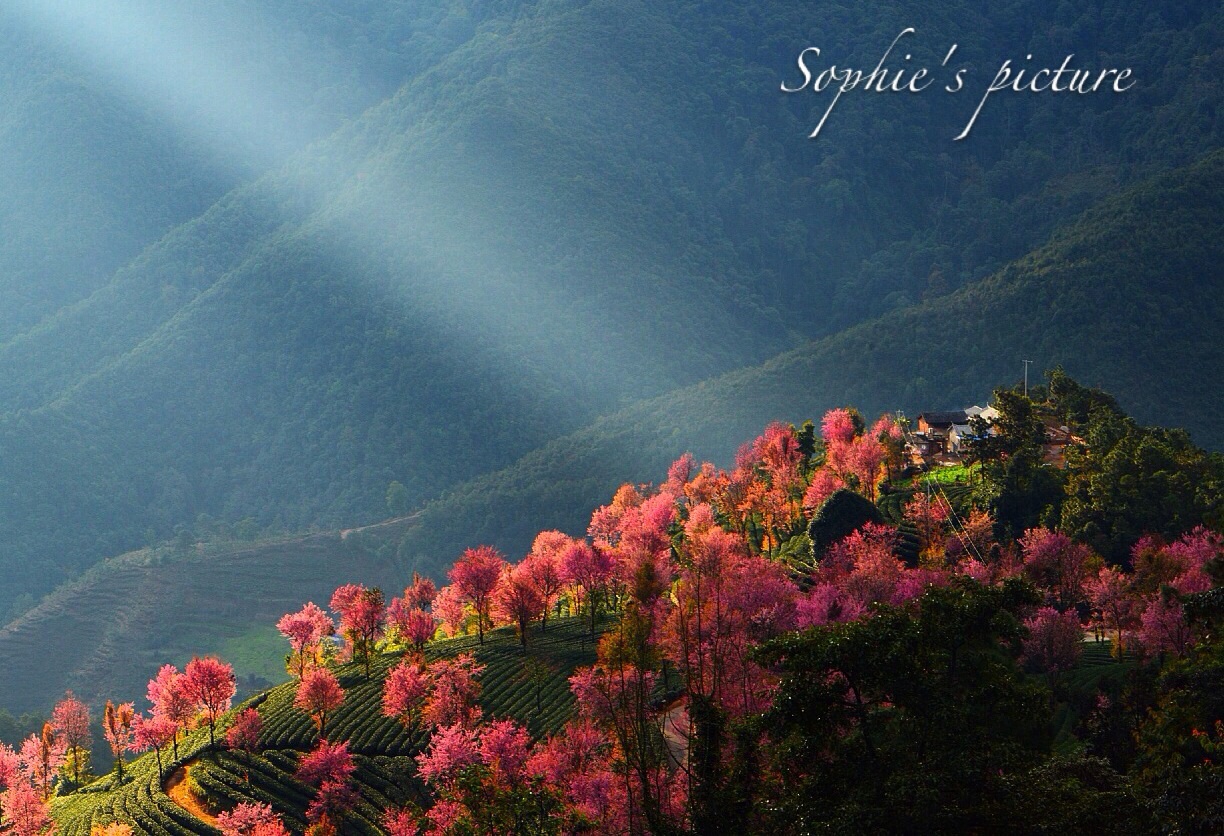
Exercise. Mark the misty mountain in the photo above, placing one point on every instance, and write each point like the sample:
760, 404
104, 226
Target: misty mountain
386, 241
1127, 299
1160, 241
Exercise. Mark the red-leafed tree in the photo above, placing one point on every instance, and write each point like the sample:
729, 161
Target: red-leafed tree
243, 733
543, 565
363, 616
319, 694
456, 686
326, 762
251, 818
117, 727
517, 600
26, 811
167, 693
210, 685
1055, 642
70, 719
152, 733
476, 575
404, 691
305, 629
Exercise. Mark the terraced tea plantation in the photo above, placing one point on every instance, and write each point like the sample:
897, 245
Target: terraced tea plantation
531, 688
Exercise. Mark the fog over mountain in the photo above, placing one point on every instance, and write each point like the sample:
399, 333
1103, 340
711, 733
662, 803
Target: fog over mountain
261, 258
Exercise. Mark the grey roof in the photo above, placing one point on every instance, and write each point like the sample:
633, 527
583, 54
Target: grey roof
941, 419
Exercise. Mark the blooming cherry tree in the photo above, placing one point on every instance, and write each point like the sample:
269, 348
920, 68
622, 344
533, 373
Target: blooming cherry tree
319, 694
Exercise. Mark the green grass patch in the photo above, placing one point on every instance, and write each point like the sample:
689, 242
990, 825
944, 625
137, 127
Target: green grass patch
259, 651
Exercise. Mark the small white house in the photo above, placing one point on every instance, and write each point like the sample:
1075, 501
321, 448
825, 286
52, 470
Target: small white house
957, 436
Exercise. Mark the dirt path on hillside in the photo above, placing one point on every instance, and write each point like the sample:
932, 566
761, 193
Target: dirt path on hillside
394, 521
179, 790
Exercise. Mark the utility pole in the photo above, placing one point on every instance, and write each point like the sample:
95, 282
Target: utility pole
1026, 365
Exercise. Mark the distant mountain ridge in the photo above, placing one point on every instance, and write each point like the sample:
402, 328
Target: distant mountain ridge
540, 214
1127, 298
1162, 239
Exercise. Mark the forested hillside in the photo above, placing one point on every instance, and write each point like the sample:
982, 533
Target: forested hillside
543, 213
751, 649
100, 158
1127, 298
947, 353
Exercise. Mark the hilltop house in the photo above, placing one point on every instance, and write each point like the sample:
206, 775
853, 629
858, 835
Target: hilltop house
1057, 438
938, 436
935, 427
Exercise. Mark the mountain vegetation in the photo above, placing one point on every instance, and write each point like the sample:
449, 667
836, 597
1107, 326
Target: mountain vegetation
1108, 259
674, 670
941, 354
466, 230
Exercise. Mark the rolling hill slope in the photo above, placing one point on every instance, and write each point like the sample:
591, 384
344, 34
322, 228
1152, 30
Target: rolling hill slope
114, 626
1127, 298
1160, 242
556, 210
383, 748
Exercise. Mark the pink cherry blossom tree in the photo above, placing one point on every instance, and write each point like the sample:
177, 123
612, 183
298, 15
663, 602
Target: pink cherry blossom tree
26, 811
168, 695
588, 569
1163, 627
318, 695
70, 720
543, 566
517, 600
1114, 606
305, 629
1057, 565
153, 733
326, 762
1055, 642
456, 687
405, 690
451, 609
363, 614
251, 818
476, 575
210, 685
243, 733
